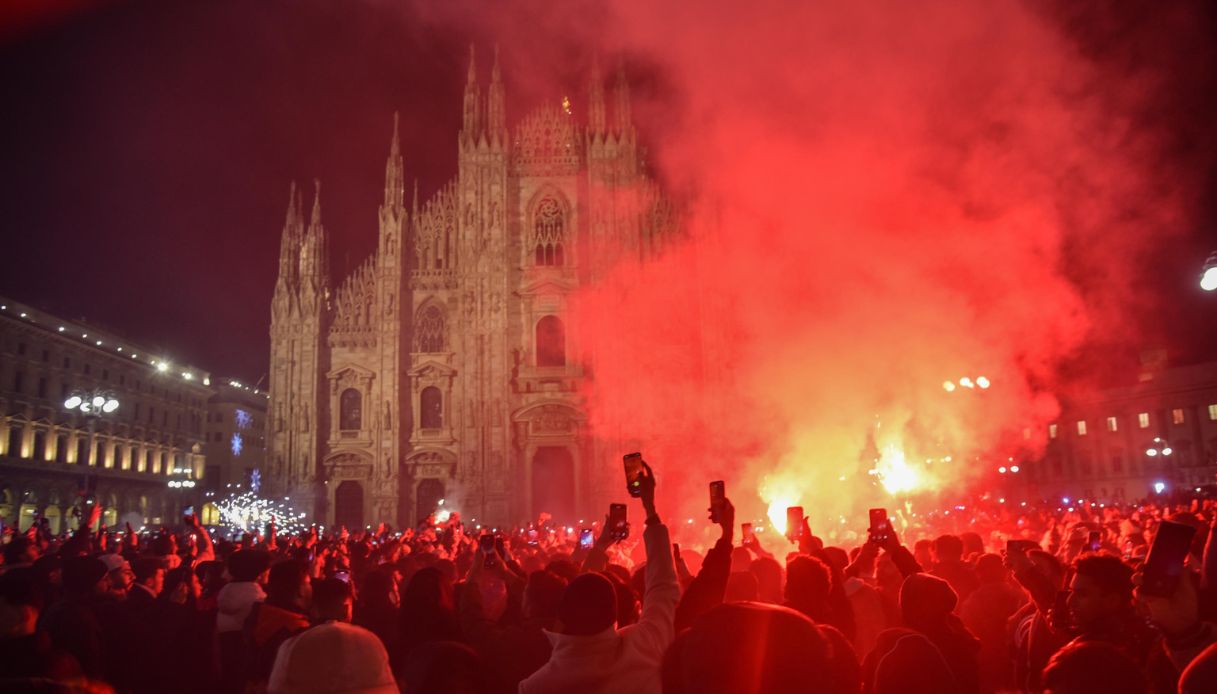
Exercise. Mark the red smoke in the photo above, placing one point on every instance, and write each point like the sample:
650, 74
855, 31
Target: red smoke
878, 197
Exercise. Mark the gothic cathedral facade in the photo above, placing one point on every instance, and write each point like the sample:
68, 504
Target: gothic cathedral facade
441, 373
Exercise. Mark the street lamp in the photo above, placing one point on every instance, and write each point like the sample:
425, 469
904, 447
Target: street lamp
1208, 275
1159, 447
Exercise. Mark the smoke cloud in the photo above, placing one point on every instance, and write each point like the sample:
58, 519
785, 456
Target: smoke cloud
877, 198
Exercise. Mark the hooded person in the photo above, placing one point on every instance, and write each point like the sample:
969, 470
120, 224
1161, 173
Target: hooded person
933, 652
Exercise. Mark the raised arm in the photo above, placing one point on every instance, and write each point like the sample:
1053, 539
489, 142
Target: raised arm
656, 627
710, 586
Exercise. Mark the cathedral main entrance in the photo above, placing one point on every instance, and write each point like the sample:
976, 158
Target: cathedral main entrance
553, 483
348, 505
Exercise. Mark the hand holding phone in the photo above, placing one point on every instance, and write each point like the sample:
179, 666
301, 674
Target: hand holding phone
794, 523
1164, 566
586, 540
747, 535
633, 473
718, 494
880, 529
617, 526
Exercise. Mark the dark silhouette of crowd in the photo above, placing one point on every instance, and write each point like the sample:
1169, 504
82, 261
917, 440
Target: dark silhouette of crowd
1027, 598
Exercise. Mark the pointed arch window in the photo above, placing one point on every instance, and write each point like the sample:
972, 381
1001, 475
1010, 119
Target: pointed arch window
431, 406
350, 410
549, 233
551, 342
429, 331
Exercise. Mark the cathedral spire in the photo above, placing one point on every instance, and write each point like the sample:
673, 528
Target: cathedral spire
314, 259
496, 116
414, 213
472, 121
289, 246
623, 101
394, 172
595, 99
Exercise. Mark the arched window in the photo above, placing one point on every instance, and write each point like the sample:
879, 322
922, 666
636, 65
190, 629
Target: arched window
431, 408
429, 335
350, 410
549, 232
551, 342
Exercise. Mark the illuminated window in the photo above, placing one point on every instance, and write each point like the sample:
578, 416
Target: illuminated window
350, 405
1143, 420
431, 404
1081, 428
429, 335
1113, 424
551, 342
549, 232
1213, 413
1052, 431
1177, 415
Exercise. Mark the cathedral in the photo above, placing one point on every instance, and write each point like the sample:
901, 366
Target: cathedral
441, 374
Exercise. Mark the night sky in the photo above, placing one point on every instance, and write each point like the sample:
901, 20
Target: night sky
147, 149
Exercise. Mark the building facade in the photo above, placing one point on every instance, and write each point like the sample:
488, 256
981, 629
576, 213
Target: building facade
1128, 443
48, 452
235, 435
442, 368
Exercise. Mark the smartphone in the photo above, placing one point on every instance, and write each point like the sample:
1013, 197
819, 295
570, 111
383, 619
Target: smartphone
633, 473
617, 521
486, 544
1095, 541
1164, 566
585, 538
344, 576
880, 529
746, 534
532, 536
188, 511
718, 494
794, 523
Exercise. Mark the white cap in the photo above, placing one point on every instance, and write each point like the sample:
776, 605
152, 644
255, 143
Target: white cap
333, 657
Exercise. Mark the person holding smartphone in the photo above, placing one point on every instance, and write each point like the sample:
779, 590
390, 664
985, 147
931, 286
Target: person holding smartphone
589, 652
709, 587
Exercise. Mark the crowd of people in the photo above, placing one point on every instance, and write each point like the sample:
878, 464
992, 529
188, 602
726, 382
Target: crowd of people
1002, 598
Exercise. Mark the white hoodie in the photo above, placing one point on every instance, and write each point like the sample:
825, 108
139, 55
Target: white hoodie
234, 602
619, 660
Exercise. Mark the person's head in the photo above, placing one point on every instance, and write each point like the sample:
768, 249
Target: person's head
20, 602
741, 559
119, 576
742, 587
808, 581
588, 606
972, 543
921, 552
149, 573
1047, 565
1200, 676
542, 595
428, 590
289, 584
1101, 588
248, 565
379, 588
210, 575
768, 573
1092, 666
948, 548
755, 647
332, 600
563, 568
926, 601
181, 585
21, 551
83, 576
164, 544
989, 569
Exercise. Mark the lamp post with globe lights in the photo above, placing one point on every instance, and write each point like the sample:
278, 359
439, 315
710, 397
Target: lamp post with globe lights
1208, 274
92, 405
